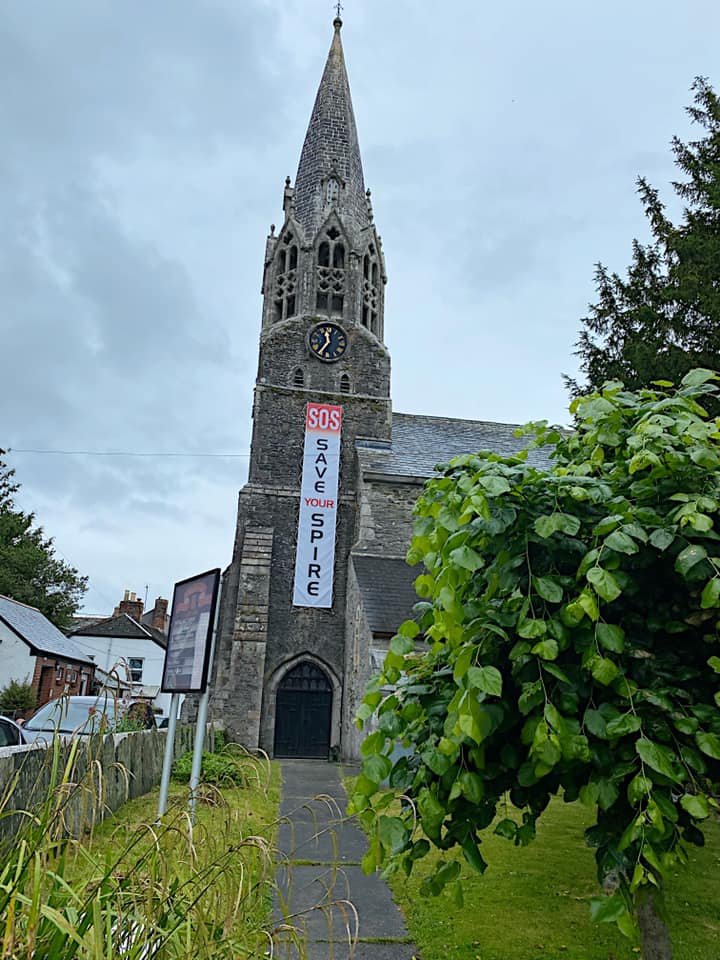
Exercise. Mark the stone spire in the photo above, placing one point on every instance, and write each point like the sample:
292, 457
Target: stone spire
330, 171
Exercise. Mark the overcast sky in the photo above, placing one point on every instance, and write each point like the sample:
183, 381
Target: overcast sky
145, 147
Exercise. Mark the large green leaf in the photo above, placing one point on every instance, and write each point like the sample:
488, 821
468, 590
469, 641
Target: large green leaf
611, 637
661, 538
393, 833
549, 524
548, 589
659, 758
709, 743
486, 679
696, 805
711, 594
698, 376
467, 558
547, 649
494, 486
603, 670
621, 726
604, 583
621, 542
607, 909
689, 558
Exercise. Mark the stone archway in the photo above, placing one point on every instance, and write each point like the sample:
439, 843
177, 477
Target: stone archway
307, 703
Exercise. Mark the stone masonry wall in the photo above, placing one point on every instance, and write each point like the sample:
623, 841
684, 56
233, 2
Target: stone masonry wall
140, 754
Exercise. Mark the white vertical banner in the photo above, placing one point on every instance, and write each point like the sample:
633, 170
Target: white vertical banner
315, 554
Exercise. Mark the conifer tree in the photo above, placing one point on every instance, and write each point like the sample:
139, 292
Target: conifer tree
29, 569
663, 318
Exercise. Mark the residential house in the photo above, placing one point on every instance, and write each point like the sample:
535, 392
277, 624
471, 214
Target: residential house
33, 650
129, 651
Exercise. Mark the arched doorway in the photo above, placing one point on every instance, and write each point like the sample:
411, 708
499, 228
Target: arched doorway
303, 713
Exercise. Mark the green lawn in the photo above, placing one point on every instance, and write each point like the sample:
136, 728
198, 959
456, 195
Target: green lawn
532, 902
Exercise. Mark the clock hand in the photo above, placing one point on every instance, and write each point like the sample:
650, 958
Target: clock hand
324, 347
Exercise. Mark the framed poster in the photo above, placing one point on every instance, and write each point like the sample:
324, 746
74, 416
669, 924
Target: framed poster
191, 626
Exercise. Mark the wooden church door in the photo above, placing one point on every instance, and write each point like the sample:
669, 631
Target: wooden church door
303, 713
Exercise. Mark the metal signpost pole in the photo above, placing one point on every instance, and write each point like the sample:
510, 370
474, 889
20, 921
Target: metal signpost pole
168, 758
202, 719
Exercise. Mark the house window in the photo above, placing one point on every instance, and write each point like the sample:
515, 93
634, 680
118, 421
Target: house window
136, 669
59, 673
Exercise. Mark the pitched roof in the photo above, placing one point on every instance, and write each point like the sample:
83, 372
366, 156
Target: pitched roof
331, 147
419, 443
36, 630
122, 626
386, 585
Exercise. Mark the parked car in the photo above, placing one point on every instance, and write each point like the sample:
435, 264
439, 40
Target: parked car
11, 733
78, 716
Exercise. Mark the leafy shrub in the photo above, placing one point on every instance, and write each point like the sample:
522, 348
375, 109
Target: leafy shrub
17, 697
218, 768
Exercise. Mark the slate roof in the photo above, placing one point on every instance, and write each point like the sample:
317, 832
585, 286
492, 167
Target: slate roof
419, 443
386, 585
122, 626
40, 635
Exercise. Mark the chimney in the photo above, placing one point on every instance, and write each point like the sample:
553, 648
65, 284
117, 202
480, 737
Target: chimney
132, 605
159, 615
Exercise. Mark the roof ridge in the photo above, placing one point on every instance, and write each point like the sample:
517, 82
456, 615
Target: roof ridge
20, 603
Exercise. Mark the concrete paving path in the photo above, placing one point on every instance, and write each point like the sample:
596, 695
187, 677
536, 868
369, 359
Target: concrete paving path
340, 913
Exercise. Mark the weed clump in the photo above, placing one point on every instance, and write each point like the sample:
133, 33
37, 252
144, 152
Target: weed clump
217, 768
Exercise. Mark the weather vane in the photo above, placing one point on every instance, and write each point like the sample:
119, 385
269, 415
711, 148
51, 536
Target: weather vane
338, 8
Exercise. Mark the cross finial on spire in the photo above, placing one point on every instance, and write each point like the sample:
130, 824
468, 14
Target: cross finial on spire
337, 22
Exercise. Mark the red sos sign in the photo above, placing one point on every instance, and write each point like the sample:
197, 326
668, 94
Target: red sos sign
323, 417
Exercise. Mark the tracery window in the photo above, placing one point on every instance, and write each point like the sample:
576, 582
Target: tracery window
330, 298
285, 279
371, 292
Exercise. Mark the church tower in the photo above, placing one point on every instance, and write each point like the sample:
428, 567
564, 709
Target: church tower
279, 680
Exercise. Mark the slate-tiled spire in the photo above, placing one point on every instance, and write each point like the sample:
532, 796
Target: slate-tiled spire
330, 150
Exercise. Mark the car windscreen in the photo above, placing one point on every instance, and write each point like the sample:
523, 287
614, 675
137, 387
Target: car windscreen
69, 716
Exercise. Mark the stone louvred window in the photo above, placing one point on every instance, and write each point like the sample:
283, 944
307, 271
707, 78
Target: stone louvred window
330, 297
285, 279
299, 377
371, 292
344, 383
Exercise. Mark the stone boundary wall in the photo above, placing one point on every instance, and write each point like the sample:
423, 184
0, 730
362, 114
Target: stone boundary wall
117, 768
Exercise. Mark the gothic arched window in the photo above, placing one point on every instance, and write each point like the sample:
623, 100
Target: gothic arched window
344, 383
299, 377
371, 292
330, 296
285, 278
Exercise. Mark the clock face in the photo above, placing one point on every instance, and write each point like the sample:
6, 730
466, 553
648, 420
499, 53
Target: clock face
328, 341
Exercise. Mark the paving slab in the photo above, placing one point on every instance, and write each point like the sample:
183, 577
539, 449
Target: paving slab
322, 841
339, 951
309, 778
331, 898
322, 892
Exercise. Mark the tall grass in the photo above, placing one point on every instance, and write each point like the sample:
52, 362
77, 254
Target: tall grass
167, 890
